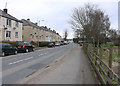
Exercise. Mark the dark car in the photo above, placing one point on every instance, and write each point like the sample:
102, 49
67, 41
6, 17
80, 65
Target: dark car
25, 47
51, 45
6, 49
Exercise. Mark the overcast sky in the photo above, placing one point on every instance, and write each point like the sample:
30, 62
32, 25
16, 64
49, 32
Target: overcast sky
57, 13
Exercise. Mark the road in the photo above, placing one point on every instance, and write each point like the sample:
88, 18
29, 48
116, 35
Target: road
16, 67
72, 68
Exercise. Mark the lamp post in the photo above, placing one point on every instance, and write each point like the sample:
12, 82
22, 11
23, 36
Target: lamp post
39, 31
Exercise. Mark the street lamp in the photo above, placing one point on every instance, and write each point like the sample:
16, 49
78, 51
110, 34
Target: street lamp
39, 31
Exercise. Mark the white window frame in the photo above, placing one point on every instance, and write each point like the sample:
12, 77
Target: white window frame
9, 22
16, 34
0, 20
16, 24
8, 34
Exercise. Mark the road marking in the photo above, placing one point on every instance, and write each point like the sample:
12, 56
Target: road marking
20, 60
43, 54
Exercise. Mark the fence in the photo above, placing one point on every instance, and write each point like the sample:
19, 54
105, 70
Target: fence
103, 71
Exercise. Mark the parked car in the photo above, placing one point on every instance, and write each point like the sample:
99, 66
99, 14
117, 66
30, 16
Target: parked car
61, 43
6, 49
51, 45
25, 47
57, 43
65, 42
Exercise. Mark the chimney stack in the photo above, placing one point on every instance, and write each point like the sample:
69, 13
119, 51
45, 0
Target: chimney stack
36, 23
28, 19
5, 10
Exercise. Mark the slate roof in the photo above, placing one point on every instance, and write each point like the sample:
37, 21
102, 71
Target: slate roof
28, 23
6, 15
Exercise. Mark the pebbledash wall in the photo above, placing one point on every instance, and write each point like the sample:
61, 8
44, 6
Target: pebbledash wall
10, 27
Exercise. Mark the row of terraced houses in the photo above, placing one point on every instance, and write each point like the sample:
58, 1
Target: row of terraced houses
12, 29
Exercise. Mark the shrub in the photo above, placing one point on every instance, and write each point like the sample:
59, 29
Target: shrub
44, 43
13, 43
116, 43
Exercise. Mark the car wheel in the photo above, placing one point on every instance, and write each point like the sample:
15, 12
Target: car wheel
15, 52
33, 49
3, 53
26, 50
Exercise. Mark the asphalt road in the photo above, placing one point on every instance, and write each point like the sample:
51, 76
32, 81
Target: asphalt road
17, 67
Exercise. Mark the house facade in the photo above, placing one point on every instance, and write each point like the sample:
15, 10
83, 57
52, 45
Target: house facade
32, 32
10, 27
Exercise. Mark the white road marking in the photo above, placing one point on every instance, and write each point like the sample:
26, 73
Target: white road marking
43, 54
20, 60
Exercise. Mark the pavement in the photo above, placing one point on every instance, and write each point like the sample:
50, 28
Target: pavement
71, 68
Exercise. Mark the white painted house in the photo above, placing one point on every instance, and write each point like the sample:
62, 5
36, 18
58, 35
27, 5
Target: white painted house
10, 27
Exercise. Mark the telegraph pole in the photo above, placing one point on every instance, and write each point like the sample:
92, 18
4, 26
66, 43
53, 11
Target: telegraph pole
39, 31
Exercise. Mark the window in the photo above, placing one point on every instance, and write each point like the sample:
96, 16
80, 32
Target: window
8, 22
8, 34
16, 34
16, 24
0, 34
0, 20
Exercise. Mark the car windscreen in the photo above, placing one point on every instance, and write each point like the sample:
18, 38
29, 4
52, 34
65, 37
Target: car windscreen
0, 46
20, 44
50, 43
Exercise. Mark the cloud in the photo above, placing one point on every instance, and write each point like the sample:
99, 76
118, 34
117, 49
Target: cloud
56, 13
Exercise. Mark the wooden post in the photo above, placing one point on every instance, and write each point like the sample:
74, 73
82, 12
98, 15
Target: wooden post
101, 53
110, 58
119, 61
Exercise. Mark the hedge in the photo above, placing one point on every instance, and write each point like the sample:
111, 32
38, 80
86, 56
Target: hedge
13, 43
44, 43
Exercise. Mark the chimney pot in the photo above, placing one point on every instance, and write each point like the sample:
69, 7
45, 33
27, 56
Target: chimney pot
28, 19
5, 10
36, 23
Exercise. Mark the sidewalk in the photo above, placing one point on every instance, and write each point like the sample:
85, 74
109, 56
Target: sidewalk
73, 68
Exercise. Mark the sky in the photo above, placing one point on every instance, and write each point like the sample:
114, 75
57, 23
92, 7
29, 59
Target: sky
57, 13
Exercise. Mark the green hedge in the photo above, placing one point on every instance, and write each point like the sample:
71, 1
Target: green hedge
44, 43
13, 43
116, 43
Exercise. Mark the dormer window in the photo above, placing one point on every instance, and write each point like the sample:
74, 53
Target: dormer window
16, 24
8, 22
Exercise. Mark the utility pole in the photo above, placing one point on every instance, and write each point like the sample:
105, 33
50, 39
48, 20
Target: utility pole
39, 31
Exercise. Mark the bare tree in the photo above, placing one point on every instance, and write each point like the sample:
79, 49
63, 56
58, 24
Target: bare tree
113, 34
65, 34
92, 22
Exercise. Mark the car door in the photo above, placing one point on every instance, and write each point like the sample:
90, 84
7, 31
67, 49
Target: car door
30, 46
6, 48
11, 48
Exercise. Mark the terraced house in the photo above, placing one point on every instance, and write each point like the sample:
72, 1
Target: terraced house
10, 27
32, 32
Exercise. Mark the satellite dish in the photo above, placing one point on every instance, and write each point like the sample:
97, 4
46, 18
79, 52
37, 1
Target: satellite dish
5, 28
14, 28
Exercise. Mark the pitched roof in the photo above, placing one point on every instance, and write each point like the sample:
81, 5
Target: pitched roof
28, 23
6, 15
